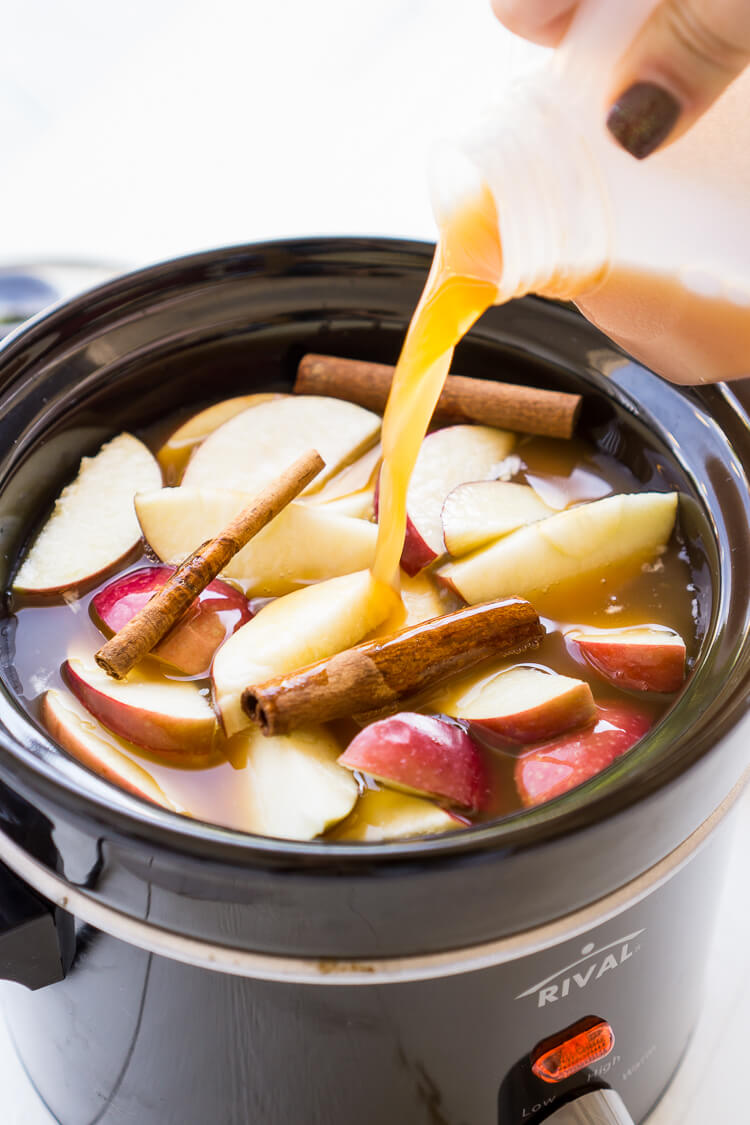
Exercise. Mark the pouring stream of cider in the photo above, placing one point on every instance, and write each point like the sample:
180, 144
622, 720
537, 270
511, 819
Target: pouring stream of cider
462, 284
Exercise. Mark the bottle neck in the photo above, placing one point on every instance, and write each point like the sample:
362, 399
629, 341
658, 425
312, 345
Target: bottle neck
554, 220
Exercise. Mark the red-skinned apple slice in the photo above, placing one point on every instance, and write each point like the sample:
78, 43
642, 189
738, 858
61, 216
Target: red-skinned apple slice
292, 786
75, 730
253, 448
649, 658
169, 718
218, 611
385, 814
295, 630
175, 453
482, 510
93, 527
446, 459
422, 755
524, 704
305, 543
554, 767
571, 546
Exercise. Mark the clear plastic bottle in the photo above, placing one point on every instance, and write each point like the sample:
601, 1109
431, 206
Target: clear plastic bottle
655, 252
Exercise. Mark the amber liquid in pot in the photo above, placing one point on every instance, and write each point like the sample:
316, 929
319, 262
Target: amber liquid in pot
562, 472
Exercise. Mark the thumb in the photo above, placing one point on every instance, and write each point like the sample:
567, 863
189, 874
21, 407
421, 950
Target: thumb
684, 56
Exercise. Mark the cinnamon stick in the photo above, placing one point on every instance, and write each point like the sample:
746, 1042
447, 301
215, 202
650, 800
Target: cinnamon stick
382, 673
528, 410
166, 608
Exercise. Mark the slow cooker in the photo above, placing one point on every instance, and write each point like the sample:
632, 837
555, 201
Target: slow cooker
178, 972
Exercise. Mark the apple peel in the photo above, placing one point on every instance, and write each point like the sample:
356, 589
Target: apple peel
524, 704
645, 658
422, 755
169, 718
552, 768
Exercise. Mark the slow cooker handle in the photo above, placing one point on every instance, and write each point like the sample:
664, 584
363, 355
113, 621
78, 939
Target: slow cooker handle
601, 1107
31, 950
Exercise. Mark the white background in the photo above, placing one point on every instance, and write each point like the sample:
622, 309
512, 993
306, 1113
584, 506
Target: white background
132, 132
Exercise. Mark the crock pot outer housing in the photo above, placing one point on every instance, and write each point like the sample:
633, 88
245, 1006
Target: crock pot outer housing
238, 320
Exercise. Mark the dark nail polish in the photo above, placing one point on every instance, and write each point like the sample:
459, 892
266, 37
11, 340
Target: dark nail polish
643, 117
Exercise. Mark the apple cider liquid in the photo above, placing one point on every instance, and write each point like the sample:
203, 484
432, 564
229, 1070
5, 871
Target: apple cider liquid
562, 472
459, 289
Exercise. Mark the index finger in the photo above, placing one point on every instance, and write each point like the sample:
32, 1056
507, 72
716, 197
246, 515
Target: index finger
541, 21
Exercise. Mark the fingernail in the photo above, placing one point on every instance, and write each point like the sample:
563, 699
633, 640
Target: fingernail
643, 117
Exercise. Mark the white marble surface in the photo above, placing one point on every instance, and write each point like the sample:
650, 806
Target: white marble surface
140, 131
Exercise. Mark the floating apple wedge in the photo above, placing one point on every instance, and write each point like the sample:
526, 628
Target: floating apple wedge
357, 505
422, 755
483, 510
384, 814
175, 453
169, 718
573, 545
650, 658
292, 786
361, 474
421, 600
253, 448
75, 730
446, 459
304, 543
92, 528
189, 647
552, 768
524, 704
296, 630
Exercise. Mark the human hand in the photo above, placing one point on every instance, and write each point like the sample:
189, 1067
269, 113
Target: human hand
684, 56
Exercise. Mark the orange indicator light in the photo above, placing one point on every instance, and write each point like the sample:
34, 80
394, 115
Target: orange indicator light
558, 1062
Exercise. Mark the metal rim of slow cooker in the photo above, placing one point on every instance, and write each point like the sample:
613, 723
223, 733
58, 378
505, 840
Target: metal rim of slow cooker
30, 775
338, 971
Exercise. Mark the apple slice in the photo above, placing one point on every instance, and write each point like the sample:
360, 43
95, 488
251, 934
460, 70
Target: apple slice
423, 755
360, 475
190, 646
446, 458
357, 505
649, 658
75, 730
561, 489
525, 704
170, 718
384, 814
292, 786
295, 630
175, 453
554, 767
482, 510
571, 545
420, 601
304, 543
92, 528
253, 448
